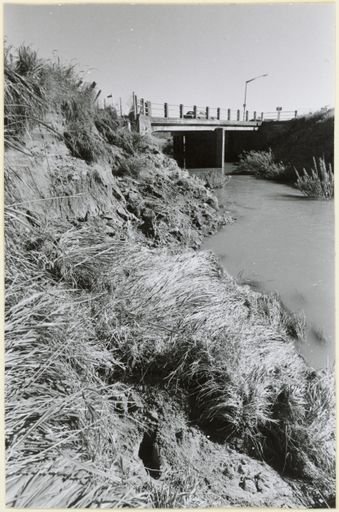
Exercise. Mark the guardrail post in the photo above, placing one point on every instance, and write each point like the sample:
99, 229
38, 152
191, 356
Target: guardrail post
295, 113
262, 116
135, 105
228, 114
194, 111
181, 110
207, 112
218, 114
246, 115
254, 115
238, 115
165, 110
142, 106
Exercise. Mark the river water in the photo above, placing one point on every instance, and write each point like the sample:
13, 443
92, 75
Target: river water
283, 242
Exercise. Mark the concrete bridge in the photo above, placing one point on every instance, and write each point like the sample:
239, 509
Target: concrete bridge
200, 135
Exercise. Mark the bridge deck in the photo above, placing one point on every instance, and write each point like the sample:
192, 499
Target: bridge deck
192, 125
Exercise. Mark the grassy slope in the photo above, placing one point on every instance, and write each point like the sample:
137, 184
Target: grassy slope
304, 138
119, 336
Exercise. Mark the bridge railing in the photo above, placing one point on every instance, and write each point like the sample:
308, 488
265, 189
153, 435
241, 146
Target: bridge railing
280, 115
181, 111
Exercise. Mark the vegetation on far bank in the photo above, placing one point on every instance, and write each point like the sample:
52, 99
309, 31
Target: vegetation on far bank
138, 373
316, 183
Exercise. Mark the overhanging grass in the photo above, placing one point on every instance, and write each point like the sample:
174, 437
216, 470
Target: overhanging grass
174, 320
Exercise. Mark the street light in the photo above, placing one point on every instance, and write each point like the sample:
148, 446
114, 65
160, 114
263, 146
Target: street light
247, 82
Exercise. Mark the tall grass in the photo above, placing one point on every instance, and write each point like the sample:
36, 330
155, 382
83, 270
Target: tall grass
187, 327
88, 318
35, 86
24, 94
318, 183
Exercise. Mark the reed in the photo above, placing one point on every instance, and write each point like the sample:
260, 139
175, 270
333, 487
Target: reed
318, 183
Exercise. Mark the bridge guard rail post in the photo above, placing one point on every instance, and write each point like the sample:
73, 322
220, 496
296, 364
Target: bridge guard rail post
195, 111
166, 110
181, 111
238, 115
207, 112
218, 113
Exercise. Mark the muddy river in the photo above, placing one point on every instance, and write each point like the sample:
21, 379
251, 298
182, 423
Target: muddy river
283, 242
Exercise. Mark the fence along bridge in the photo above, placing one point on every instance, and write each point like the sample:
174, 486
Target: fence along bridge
199, 133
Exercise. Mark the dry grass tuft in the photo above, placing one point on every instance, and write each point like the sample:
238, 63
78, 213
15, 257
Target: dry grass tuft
88, 318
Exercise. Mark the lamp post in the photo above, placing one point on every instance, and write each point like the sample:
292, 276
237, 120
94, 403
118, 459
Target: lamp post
247, 82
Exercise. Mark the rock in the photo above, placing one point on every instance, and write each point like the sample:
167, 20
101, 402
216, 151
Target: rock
249, 485
147, 227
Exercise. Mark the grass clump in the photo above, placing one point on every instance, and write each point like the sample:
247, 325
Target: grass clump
131, 166
317, 183
103, 316
261, 164
25, 96
35, 87
83, 142
244, 377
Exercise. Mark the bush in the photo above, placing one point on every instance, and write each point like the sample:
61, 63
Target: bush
319, 182
106, 123
261, 163
83, 142
131, 166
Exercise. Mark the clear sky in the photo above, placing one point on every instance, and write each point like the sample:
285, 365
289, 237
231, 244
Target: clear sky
191, 54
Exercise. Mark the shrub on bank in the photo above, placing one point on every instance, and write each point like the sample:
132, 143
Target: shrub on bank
261, 164
318, 183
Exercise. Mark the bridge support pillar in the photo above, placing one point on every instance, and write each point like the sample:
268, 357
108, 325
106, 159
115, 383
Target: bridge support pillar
220, 147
